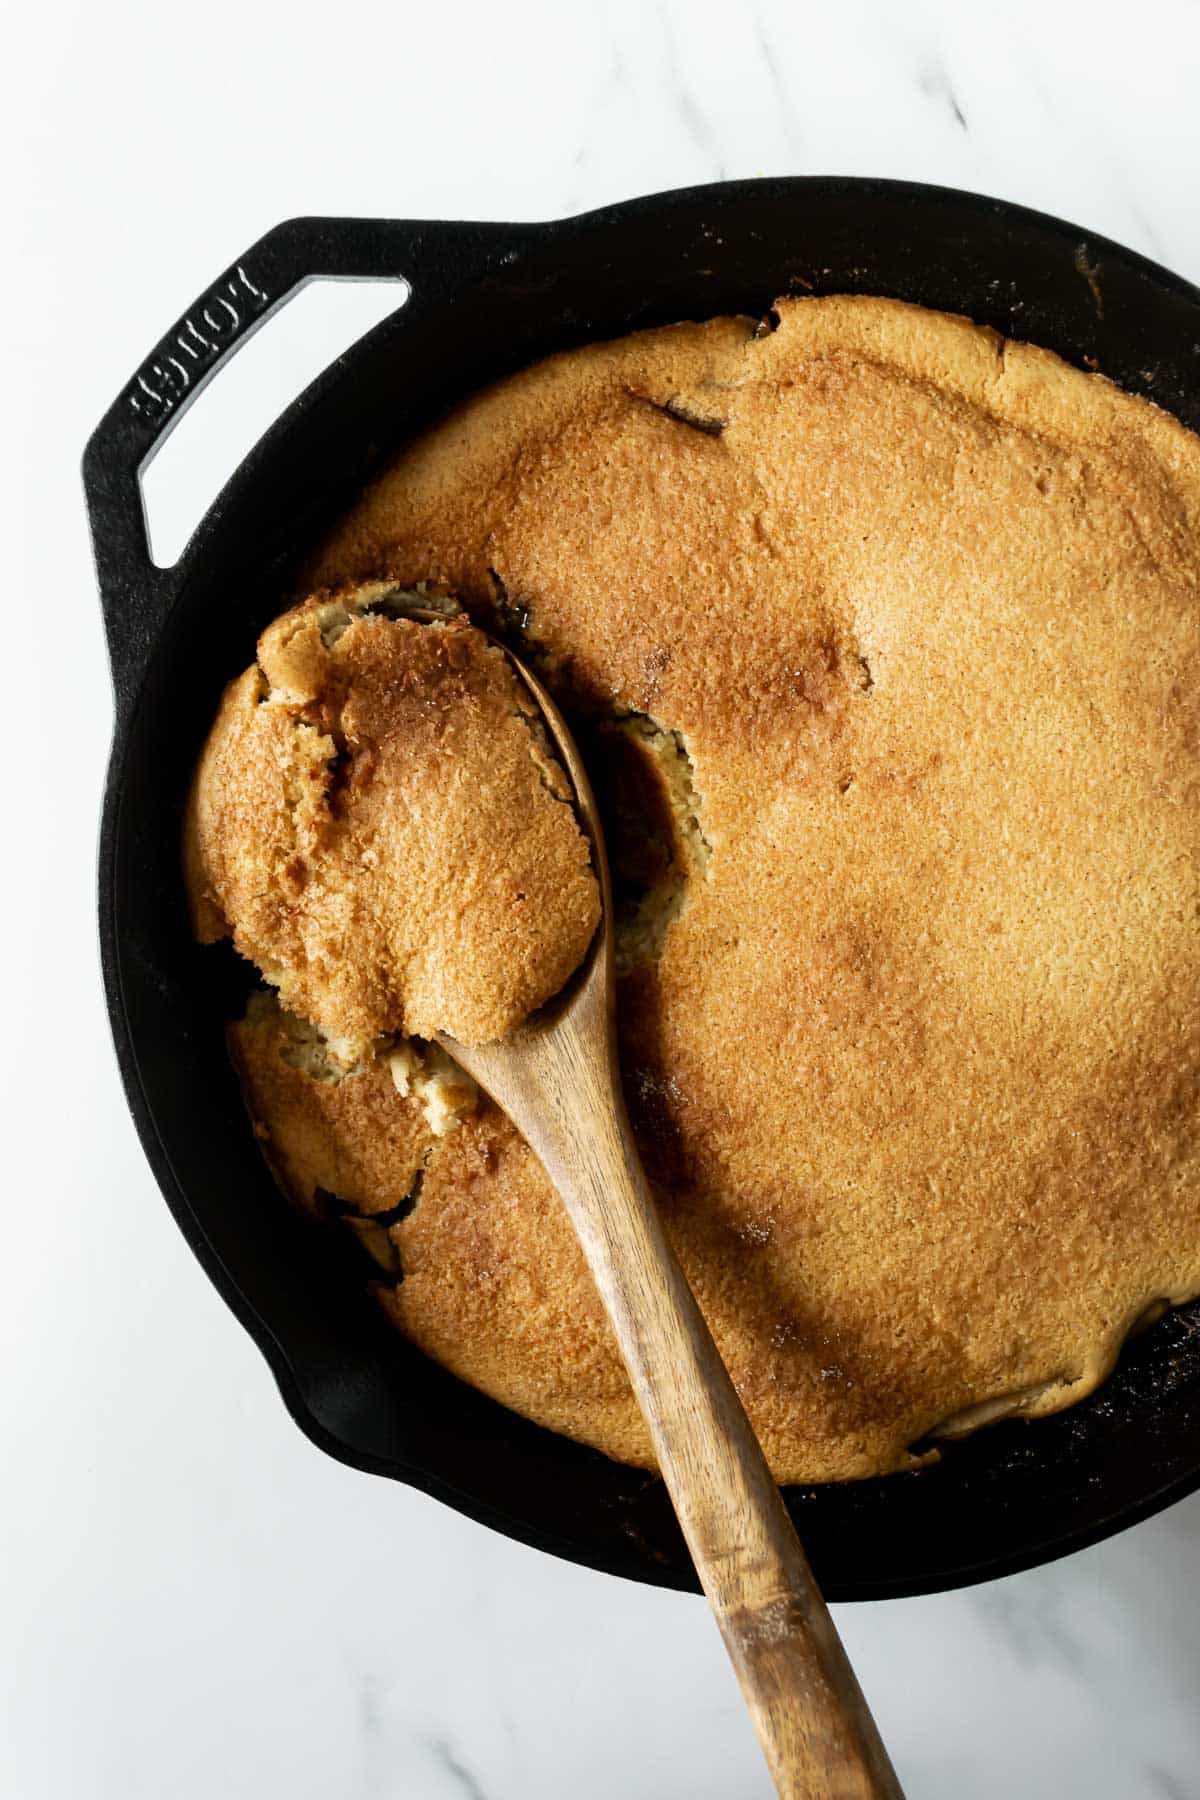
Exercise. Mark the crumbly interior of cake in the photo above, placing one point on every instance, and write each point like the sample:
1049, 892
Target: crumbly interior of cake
378, 822
425, 1073
881, 637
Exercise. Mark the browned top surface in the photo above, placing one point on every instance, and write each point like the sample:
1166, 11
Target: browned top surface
916, 1072
378, 822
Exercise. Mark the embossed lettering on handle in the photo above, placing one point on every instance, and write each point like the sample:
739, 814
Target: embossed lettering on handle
164, 382
136, 595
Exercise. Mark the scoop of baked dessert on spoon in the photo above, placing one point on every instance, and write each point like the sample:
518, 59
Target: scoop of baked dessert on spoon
378, 821
387, 817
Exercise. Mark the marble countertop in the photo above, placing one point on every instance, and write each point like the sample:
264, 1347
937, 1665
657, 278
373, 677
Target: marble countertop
193, 1601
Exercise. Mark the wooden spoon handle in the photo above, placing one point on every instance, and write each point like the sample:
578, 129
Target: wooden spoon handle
812, 1720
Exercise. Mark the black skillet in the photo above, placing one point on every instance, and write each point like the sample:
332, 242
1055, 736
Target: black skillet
485, 299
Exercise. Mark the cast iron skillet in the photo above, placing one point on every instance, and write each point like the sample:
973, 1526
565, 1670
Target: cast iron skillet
484, 299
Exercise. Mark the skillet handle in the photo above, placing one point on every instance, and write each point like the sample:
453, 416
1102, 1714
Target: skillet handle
434, 258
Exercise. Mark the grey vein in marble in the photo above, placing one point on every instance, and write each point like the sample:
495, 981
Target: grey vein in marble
370, 1716
779, 87
1150, 234
690, 114
615, 82
1032, 1622
1166, 1784
935, 84
443, 1753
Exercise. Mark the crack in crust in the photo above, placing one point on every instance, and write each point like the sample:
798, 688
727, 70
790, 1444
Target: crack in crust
672, 832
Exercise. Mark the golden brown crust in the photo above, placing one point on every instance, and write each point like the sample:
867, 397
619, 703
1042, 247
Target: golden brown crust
495, 1286
377, 821
916, 1071
349, 1135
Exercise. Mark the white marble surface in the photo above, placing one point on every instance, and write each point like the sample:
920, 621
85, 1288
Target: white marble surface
193, 1602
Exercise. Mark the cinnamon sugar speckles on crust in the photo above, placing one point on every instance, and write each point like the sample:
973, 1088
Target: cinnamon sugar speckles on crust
925, 616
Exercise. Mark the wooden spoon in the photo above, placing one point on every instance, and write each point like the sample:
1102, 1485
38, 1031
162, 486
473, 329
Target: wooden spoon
558, 1080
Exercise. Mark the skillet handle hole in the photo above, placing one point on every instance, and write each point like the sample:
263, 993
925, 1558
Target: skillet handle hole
320, 321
